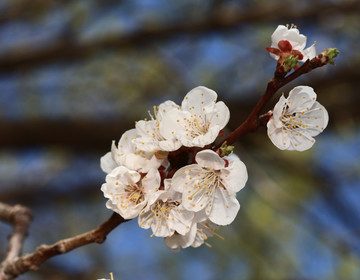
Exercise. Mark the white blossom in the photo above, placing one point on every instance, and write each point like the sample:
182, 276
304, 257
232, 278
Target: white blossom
297, 42
297, 119
149, 137
165, 214
211, 184
128, 155
199, 120
128, 192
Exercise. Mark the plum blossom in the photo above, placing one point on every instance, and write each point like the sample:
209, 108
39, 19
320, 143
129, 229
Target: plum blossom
297, 119
165, 214
199, 120
149, 137
211, 184
128, 191
288, 41
128, 155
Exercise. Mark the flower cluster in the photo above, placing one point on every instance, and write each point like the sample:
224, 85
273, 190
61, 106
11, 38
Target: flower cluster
297, 119
164, 172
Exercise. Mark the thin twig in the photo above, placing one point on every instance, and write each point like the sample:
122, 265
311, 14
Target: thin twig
20, 217
44, 252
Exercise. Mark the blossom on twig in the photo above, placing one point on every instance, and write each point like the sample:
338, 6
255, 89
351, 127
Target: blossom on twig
297, 119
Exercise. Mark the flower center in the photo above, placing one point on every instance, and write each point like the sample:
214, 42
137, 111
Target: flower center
197, 125
135, 193
291, 122
162, 209
209, 182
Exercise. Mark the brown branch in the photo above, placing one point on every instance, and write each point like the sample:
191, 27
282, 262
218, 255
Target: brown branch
20, 217
68, 48
32, 261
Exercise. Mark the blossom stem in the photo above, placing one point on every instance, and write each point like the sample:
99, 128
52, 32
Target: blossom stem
252, 122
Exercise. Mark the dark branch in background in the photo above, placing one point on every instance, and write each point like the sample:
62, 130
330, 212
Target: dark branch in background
20, 217
67, 48
50, 132
17, 266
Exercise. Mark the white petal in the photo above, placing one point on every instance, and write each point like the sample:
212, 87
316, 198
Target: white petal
177, 241
187, 181
277, 112
173, 124
167, 184
196, 196
130, 211
220, 116
234, 177
209, 159
198, 98
181, 177
145, 219
278, 137
126, 141
146, 140
180, 220
166, 107
107, 163
200, 140
151, 182
300, 142
309, 53
301, 98
153, 198
224, 209
160, 229
125, 175
297, 40
315, 119
278, 35
116, 154
169, 145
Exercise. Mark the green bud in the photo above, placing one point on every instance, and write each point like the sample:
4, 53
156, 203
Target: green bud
225, 149
290, 62
331, 53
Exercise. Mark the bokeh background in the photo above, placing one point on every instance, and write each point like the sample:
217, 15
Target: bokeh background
76, 74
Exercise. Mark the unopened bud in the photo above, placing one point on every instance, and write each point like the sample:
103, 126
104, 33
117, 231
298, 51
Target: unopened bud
225, 149
290, 62
328, 56
331, 53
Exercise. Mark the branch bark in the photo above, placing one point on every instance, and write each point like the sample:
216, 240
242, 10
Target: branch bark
20, 217
19, 265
